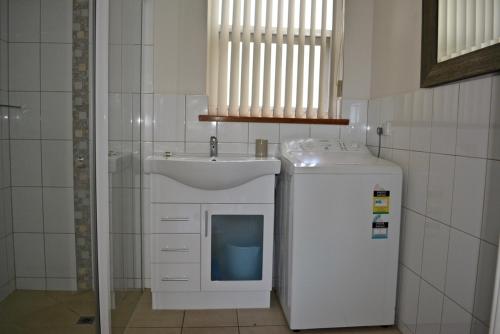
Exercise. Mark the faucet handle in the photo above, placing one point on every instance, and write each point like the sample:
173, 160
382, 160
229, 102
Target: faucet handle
213, 139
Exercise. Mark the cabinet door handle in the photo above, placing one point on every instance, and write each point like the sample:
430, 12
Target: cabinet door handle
206, 223
175, 279
174, 249
174, 219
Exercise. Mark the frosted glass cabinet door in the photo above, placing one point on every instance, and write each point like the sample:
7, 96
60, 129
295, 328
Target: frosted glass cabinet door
237, 247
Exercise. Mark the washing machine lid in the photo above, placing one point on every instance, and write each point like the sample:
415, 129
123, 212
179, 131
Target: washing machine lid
310, 155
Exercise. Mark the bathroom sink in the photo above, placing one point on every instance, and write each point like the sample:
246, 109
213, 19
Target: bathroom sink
204, 172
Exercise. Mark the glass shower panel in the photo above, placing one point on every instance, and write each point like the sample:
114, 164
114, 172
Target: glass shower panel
47, 266
237, 243
125, 178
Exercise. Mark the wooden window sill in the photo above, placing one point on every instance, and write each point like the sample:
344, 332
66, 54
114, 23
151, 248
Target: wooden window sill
335, 121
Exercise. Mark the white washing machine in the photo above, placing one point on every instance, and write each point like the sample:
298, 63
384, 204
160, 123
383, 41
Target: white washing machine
337, 236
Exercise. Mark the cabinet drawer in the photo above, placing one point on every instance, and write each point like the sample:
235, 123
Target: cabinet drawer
175, 277
175, 218
175, 248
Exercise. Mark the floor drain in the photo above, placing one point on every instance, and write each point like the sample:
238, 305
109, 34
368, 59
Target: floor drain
85, 320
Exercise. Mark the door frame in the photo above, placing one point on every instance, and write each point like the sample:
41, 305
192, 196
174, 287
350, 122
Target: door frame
101, 161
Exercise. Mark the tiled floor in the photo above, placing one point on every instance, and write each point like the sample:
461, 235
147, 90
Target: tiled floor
56, 313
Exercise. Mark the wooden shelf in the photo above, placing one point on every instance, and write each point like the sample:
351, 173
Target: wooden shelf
335, 121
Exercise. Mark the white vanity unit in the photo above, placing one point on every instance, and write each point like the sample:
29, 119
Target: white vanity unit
211, 223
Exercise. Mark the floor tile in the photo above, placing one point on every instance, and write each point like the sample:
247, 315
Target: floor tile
211, 330
272, 316
265, 330
152, 331
210, 318
144, 316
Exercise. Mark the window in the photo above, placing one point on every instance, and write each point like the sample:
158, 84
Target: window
275, 58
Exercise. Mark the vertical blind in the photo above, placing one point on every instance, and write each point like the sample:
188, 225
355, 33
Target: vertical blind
275, 58
467, 25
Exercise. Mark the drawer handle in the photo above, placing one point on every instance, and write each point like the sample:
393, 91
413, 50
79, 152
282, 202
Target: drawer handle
171, 249
174, 219
175, 279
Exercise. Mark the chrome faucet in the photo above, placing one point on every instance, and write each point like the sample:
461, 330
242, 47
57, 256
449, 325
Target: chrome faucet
213, 146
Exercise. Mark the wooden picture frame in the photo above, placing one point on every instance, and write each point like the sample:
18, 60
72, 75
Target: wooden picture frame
432, 73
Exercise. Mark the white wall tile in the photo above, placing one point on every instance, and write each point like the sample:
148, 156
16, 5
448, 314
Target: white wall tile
147, 69
58, 210
468, 195
293, 131
4, 22
25, 122
463, 257
417, 181
24, 21
228, 132
24, 67
25, 163
408, 298
56, 67
197, 148
5, 163
115, 116
440, 188
357, 113
491, 213
325, 131
148, 22
263, 131
435, 253
169, 119
4, 65
401, 123
115, 67
233, 148
485, 281
131, 21
4, 278
29, 252
444, 119
494, 141
174, 147
198, 131
57, 116
478, 327
388, 107
147, 114
473, 117
455, 319
131, 69
30, 283
57, 163
402, 158
115, 22
430, 304
60, 255
61, 284
27, 209
57, 19
412, 240
420, 133
373, 122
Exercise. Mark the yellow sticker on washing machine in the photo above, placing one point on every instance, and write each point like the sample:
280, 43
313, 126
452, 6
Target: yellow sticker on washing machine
381, 201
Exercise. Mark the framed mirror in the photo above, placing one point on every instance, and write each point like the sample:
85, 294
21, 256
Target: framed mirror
460, 39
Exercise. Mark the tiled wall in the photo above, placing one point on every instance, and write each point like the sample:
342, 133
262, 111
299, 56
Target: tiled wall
447, 141
7, 275
40, 54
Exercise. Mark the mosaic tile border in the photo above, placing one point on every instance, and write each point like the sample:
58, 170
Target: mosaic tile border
81, 149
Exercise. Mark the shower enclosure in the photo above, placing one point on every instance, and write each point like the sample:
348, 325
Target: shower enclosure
70, 166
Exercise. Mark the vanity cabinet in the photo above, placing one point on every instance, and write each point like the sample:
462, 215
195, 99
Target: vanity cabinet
211, 248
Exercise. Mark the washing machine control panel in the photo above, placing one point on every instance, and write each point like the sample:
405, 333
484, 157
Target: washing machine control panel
320, 145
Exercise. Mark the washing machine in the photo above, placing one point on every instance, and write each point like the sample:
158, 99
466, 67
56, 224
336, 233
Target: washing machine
337, 236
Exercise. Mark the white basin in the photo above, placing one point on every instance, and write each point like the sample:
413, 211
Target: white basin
203, 172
